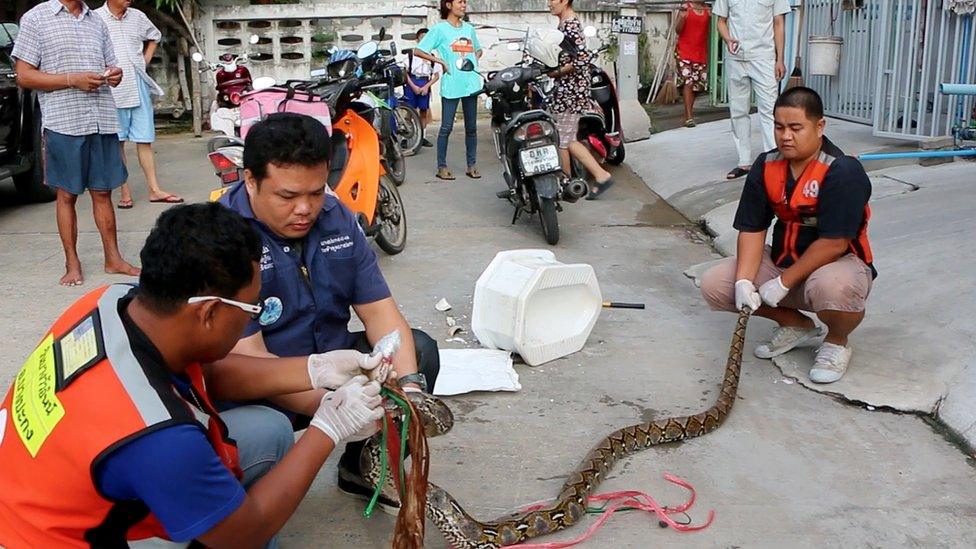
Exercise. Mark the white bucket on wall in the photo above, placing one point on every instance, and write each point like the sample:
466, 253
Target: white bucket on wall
824, 55
529, 303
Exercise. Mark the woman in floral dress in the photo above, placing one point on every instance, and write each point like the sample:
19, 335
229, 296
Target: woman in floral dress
572, 97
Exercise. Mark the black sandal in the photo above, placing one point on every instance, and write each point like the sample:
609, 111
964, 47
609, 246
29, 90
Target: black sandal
600, 189
736, 173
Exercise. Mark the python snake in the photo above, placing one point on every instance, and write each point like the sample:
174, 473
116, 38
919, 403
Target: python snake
464, 532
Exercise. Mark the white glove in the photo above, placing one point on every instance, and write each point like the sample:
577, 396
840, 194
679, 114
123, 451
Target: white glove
349, 410
773, 291
746, 296
333, 369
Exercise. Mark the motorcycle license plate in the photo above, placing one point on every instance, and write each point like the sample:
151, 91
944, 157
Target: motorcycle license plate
539, 160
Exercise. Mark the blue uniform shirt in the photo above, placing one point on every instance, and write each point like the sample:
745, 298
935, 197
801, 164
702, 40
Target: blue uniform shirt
305, 315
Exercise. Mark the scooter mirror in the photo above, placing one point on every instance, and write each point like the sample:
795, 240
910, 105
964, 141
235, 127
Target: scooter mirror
366, 50
589, 31
393, 49
513, 46
197, 57
253, 39
467, 65
382, 33
263, 83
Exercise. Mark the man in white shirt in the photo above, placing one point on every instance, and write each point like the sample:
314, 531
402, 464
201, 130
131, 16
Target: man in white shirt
134, 39
421, 77
754, 32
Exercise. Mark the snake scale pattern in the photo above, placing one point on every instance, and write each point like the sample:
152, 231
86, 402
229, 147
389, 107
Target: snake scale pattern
464, 532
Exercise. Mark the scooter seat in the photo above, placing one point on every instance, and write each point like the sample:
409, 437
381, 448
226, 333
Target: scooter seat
340, 157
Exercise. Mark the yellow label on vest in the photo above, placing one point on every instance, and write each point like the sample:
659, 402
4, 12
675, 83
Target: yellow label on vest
36, 409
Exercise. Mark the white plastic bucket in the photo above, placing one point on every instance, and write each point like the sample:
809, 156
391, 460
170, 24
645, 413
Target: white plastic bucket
529, 303
824, 55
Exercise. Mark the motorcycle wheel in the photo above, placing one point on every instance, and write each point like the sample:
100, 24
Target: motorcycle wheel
396, 163
547, 215
616, 156
409, 129
392, 235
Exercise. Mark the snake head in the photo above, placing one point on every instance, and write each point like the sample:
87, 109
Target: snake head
435, 416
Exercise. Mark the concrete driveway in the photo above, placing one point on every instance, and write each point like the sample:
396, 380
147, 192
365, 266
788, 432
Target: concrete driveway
790, 468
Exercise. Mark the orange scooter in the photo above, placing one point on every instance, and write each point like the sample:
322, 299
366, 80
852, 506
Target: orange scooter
356, 175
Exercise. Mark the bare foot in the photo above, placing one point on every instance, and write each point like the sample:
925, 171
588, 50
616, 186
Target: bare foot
123, 268
72, 275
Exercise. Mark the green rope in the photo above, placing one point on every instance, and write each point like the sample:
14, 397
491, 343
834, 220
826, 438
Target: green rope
384, 465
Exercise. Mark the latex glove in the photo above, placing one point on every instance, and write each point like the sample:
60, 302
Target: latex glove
349, 410
746, 296
773, 292
369, 430
333, 369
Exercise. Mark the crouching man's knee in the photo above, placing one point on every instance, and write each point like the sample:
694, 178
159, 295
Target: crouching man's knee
718, 286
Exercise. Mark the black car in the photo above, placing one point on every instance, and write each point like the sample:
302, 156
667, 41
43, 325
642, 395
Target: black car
20, 128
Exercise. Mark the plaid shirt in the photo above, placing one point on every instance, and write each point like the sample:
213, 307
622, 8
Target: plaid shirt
129, 35
57, 42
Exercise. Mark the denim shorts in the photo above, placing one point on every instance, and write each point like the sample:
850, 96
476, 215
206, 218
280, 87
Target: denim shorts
136, 123
76, 163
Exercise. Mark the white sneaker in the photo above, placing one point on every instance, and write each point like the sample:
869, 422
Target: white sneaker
787, 338
831, 363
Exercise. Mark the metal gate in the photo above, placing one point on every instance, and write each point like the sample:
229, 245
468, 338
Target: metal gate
849, 95
926, 45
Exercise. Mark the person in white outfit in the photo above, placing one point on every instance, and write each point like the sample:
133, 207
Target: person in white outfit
754, 32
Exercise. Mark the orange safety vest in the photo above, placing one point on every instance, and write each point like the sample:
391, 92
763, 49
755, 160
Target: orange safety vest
796, 227
81, 395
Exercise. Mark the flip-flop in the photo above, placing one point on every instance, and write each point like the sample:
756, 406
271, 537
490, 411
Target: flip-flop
125, 204
168, 199
736, 173
600, 189
473, 173
445, 175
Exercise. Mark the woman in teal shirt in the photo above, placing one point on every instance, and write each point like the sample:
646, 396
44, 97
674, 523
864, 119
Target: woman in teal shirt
454, 41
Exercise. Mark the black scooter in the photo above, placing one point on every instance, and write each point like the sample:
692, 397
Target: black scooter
526, 143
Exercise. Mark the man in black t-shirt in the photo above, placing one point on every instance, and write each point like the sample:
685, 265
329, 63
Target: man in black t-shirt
820, 259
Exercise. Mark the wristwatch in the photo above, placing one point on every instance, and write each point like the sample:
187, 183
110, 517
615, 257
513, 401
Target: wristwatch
417, 378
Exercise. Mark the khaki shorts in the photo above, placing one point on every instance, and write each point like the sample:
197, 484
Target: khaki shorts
843, 285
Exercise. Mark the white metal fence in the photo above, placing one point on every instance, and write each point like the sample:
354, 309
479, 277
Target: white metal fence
850, 94
930, 45
895, 55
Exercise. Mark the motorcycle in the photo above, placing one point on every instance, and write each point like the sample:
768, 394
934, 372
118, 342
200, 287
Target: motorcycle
358, 173
526, 138
385, 75
602, 129
232, 80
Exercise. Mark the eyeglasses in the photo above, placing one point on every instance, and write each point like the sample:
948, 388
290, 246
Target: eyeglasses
254, 309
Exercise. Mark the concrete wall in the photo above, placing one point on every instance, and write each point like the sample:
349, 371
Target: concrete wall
294, 37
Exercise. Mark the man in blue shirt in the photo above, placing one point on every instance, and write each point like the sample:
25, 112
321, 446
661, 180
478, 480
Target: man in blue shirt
316, 264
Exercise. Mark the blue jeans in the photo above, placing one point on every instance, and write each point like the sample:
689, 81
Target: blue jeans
263, 437
469, 107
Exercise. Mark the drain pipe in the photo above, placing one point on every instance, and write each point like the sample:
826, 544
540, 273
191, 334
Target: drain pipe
957, 89
964, 62
917, 154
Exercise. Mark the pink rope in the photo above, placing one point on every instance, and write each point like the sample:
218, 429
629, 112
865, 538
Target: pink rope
626, 498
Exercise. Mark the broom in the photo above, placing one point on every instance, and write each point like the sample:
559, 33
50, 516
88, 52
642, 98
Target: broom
796, 77
669, 89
